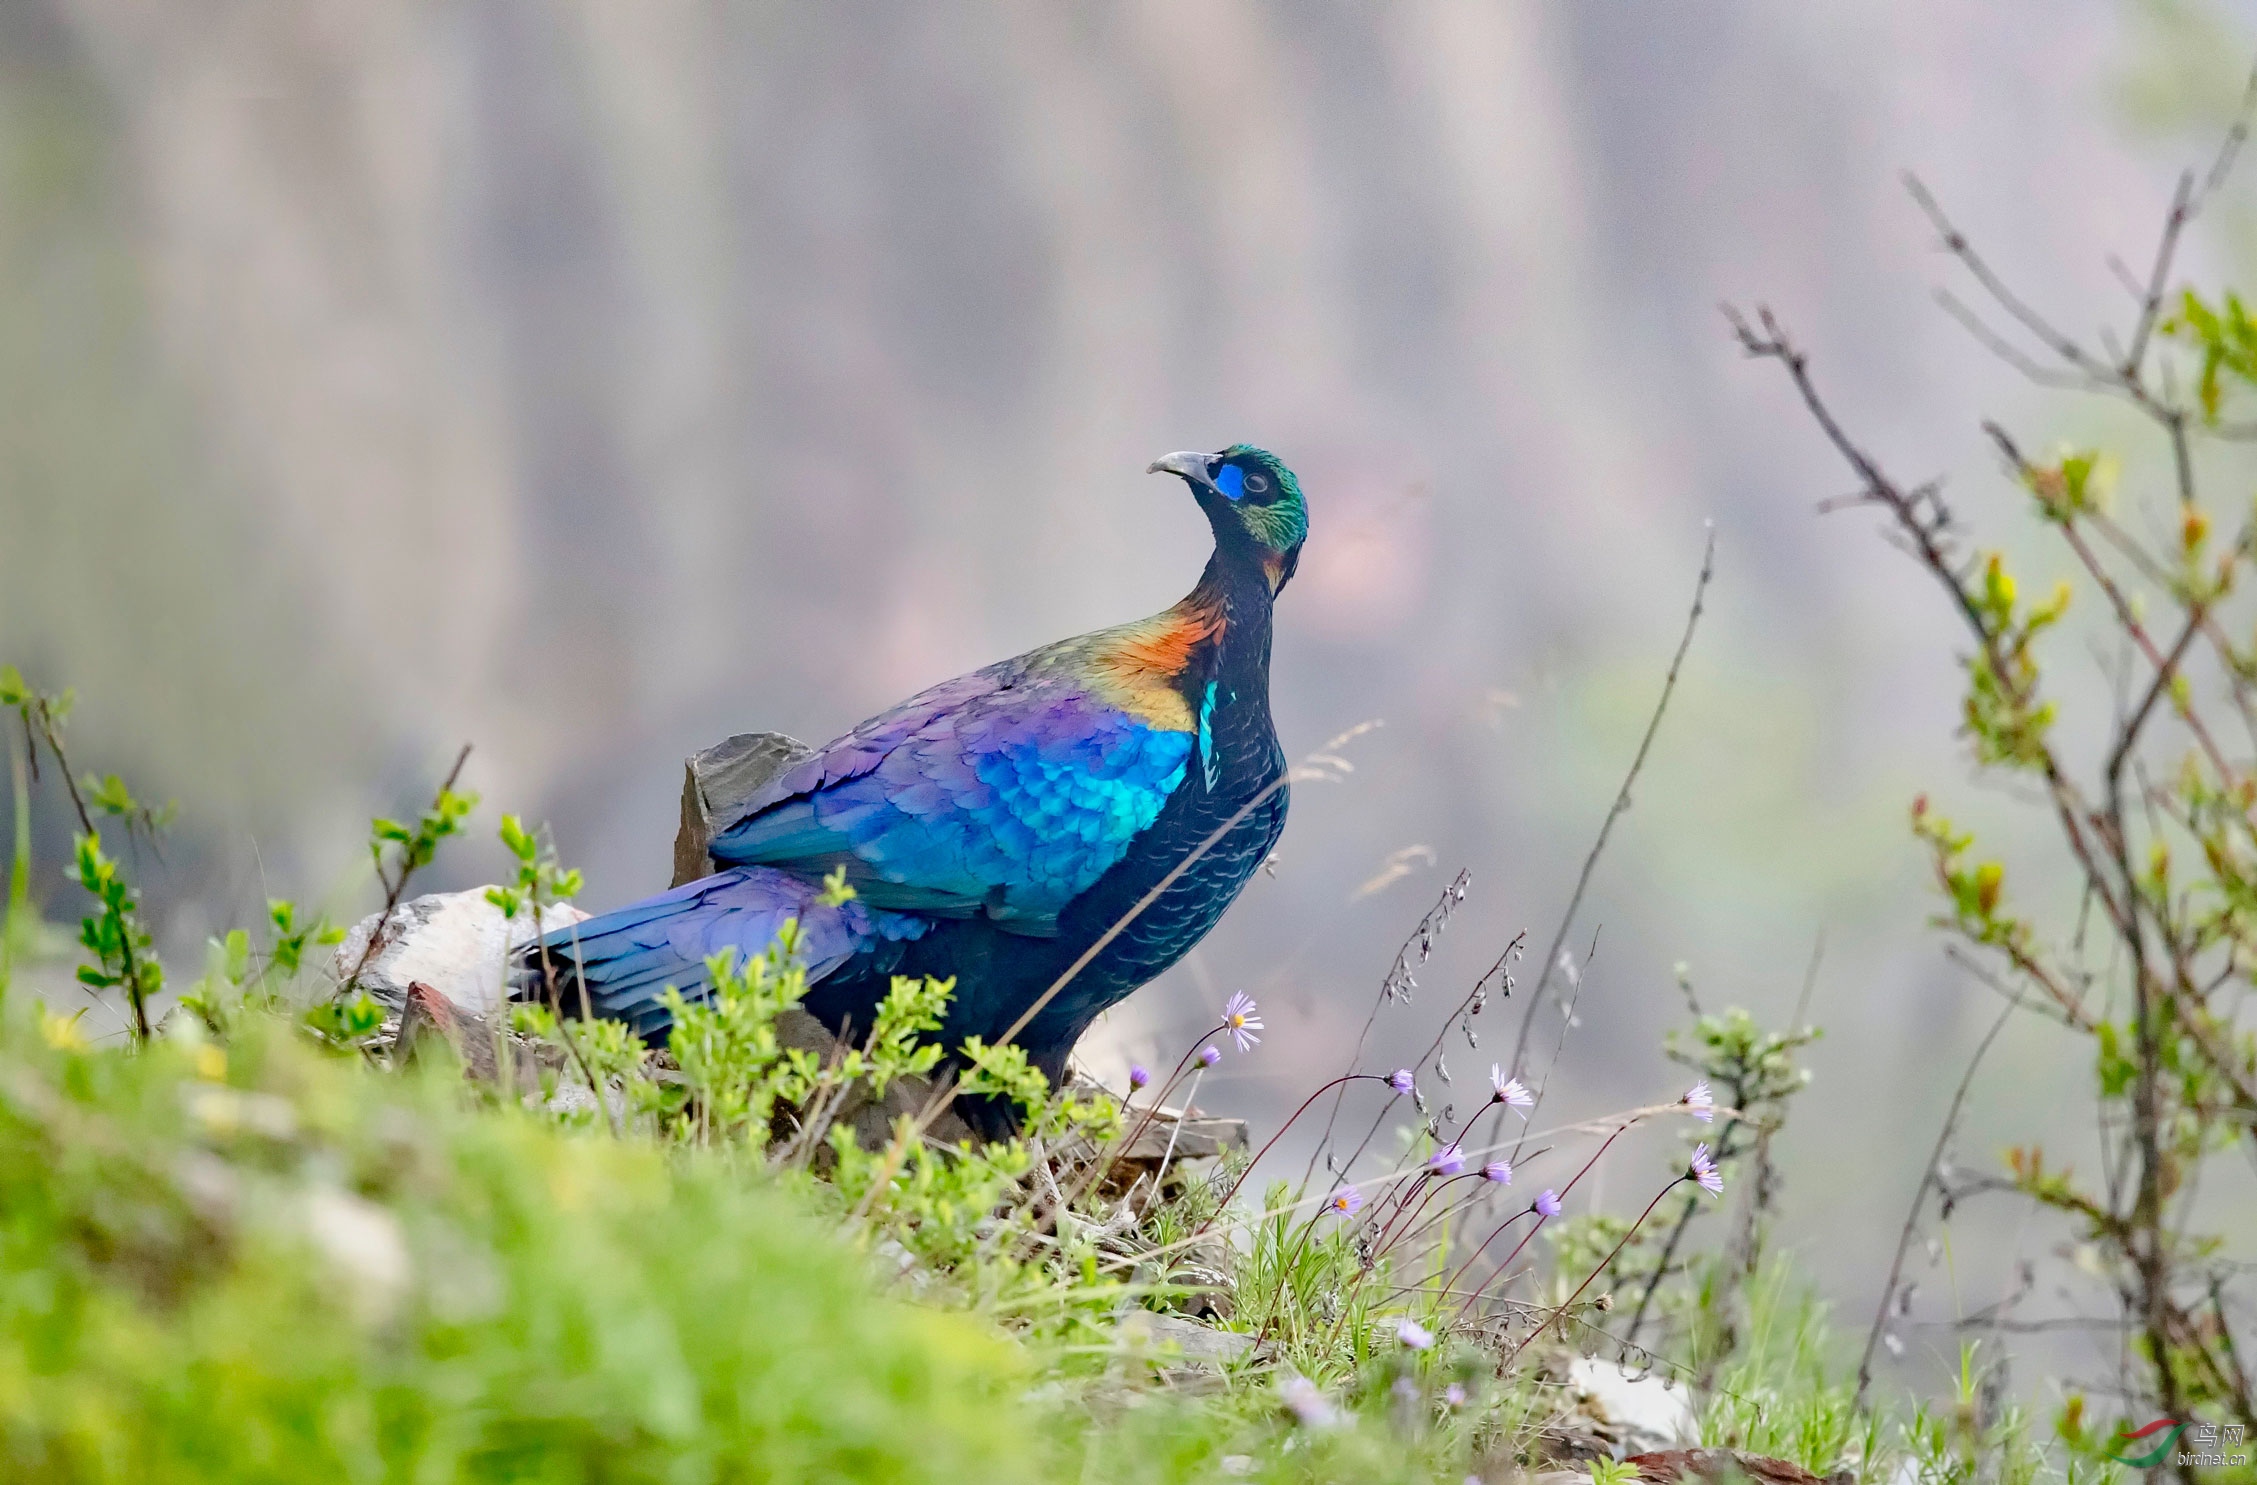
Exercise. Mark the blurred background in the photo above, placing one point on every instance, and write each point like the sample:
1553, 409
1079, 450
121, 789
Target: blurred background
591, 381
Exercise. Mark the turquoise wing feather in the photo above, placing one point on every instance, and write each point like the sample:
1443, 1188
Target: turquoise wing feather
1009, 791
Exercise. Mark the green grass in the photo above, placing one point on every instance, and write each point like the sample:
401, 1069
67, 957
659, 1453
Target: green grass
272, 1261
275, 1264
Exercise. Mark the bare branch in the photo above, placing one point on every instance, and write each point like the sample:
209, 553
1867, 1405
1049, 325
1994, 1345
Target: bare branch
1621, 804
1925, 524
2151, 306
1920, 1195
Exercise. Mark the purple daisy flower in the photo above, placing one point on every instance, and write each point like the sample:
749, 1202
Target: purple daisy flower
1139, 1075
1509, 1090
1447, 1161
1547, 1203
1454, 1395
1208, 1056
1306, 1403
1345, 1202
1413, 1334
1242, 1021
1702, 1102
1704, 1172
1500, 1171
1401, 1080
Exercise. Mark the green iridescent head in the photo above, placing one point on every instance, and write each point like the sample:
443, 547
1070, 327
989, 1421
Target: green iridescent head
1253, 502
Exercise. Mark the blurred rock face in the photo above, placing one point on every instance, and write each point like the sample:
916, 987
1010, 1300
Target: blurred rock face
587, 376
597, 381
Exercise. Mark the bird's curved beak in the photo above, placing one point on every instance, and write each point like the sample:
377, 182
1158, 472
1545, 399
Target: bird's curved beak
1189, 465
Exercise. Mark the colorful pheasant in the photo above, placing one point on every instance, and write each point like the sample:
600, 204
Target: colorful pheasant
999, 825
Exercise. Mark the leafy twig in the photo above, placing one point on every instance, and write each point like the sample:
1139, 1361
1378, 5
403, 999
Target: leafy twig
412, 848
123, 949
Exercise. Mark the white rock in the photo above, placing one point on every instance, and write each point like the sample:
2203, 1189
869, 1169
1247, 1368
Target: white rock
1647, 1412
458, 943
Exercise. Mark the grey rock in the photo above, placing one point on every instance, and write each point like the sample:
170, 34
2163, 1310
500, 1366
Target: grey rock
717, 783
1189, 1134
1196, 1344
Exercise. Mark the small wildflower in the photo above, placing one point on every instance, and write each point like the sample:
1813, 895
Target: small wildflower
1413, 1334
63, 1033
1401, 1081
1345, 1202
1500, 1171
1306, 1403
1406, 1388
1242, 1021
1702, 1102
1208, 1056
1703, 1171
1454, 1395
1547, 1203
1509, 1090
1139, 1075
1448, 1161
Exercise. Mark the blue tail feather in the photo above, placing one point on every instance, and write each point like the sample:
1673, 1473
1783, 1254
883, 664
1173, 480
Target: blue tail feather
624, 960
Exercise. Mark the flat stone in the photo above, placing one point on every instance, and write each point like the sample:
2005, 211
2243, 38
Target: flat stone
1196, 1344
1640, 1412
1196, 1137
1728, 1467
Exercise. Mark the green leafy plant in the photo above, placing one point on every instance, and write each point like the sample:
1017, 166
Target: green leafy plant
123, 954
734, 1069
2155, 973
237, 980
1752, 1072
398, 851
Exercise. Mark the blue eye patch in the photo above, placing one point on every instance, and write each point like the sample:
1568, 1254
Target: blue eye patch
1231, 480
